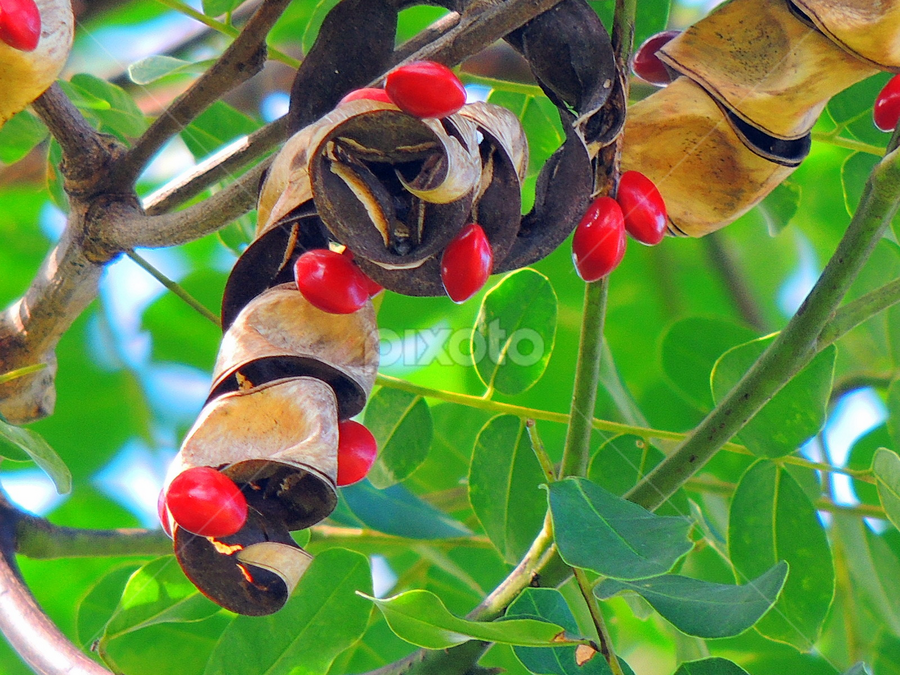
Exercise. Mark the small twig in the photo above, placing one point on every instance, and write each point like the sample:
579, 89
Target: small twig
174, 288
538, 447
597, 617
244, 58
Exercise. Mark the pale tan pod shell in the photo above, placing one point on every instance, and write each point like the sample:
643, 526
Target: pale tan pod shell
280, 334
506, 129
285, 432
868, 28
768, 67
26, 75
288, 562
679, 138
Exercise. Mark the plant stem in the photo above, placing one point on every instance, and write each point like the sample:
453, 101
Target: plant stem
174, 288
793, 347
577, 450
538, 447
597, 617
847, 143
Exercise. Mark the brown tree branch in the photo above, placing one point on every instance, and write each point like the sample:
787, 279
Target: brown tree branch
245, 57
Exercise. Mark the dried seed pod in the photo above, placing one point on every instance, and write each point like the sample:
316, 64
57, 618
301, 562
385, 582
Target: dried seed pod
764, 65
280, 334
680, 139
867, 29
26, 75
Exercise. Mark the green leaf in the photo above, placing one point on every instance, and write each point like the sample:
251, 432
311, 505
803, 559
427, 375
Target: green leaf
153, 68
157, 593
858, 669
549, 604
420, 618
219, 124
702, 608
712, 666
772, 519
110, 105
216, 8
17, 440
323, 618
854, 174
780, 206
19, 135
96, 608
402, 426
886, 467
794, 415
690, 349
503, 486
893, 406
398, 511
599, 531
852, 108
514, 332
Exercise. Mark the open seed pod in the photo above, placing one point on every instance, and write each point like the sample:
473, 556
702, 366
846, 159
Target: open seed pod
251, 572
680, 139
496, 206
869, 29
763, 64
279, 334
26, 75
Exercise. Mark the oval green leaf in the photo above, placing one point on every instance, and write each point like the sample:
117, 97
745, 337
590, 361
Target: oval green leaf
701, 608
794, 415
886, 467
772, 519
398, 511
503, 486
17, 440
690, 349
324, 616
402, 426
515, 331
599, 531
712, 666
420, 618
153, 68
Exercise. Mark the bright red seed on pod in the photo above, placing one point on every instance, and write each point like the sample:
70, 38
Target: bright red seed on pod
887, 105
331, 282
367, 93
599, 242
425, 89
466, 263
372, 286
643, 208
20, 24
206, 502
357, 450
646, 63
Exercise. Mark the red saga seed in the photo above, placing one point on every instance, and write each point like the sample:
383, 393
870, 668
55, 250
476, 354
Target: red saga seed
20, 24
647, 65
357, 451
425, 89
599, 242
331, 281
643, 208
467, 263
206, 502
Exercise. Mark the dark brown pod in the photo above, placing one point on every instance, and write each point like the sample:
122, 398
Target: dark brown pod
257, 585
281, 335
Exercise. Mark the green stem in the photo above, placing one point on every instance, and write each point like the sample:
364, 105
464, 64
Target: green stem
225, 29
175, 288
538, 447
39, 539
793, 347
854, 313
577, 450
597, 617
847, 143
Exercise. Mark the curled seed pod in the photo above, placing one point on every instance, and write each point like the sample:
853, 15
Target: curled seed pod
717, 181
771, 70
866, 29
25, 75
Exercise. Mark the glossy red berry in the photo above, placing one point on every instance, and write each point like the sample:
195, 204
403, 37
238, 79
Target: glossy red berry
887, 106
372, 286
599, 242
368, 94
466, 263
425, 89
206, 502
643, 208
20, 24
357, 450
646, 63
331, 281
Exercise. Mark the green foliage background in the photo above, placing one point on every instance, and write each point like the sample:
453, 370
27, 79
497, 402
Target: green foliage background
672, 314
